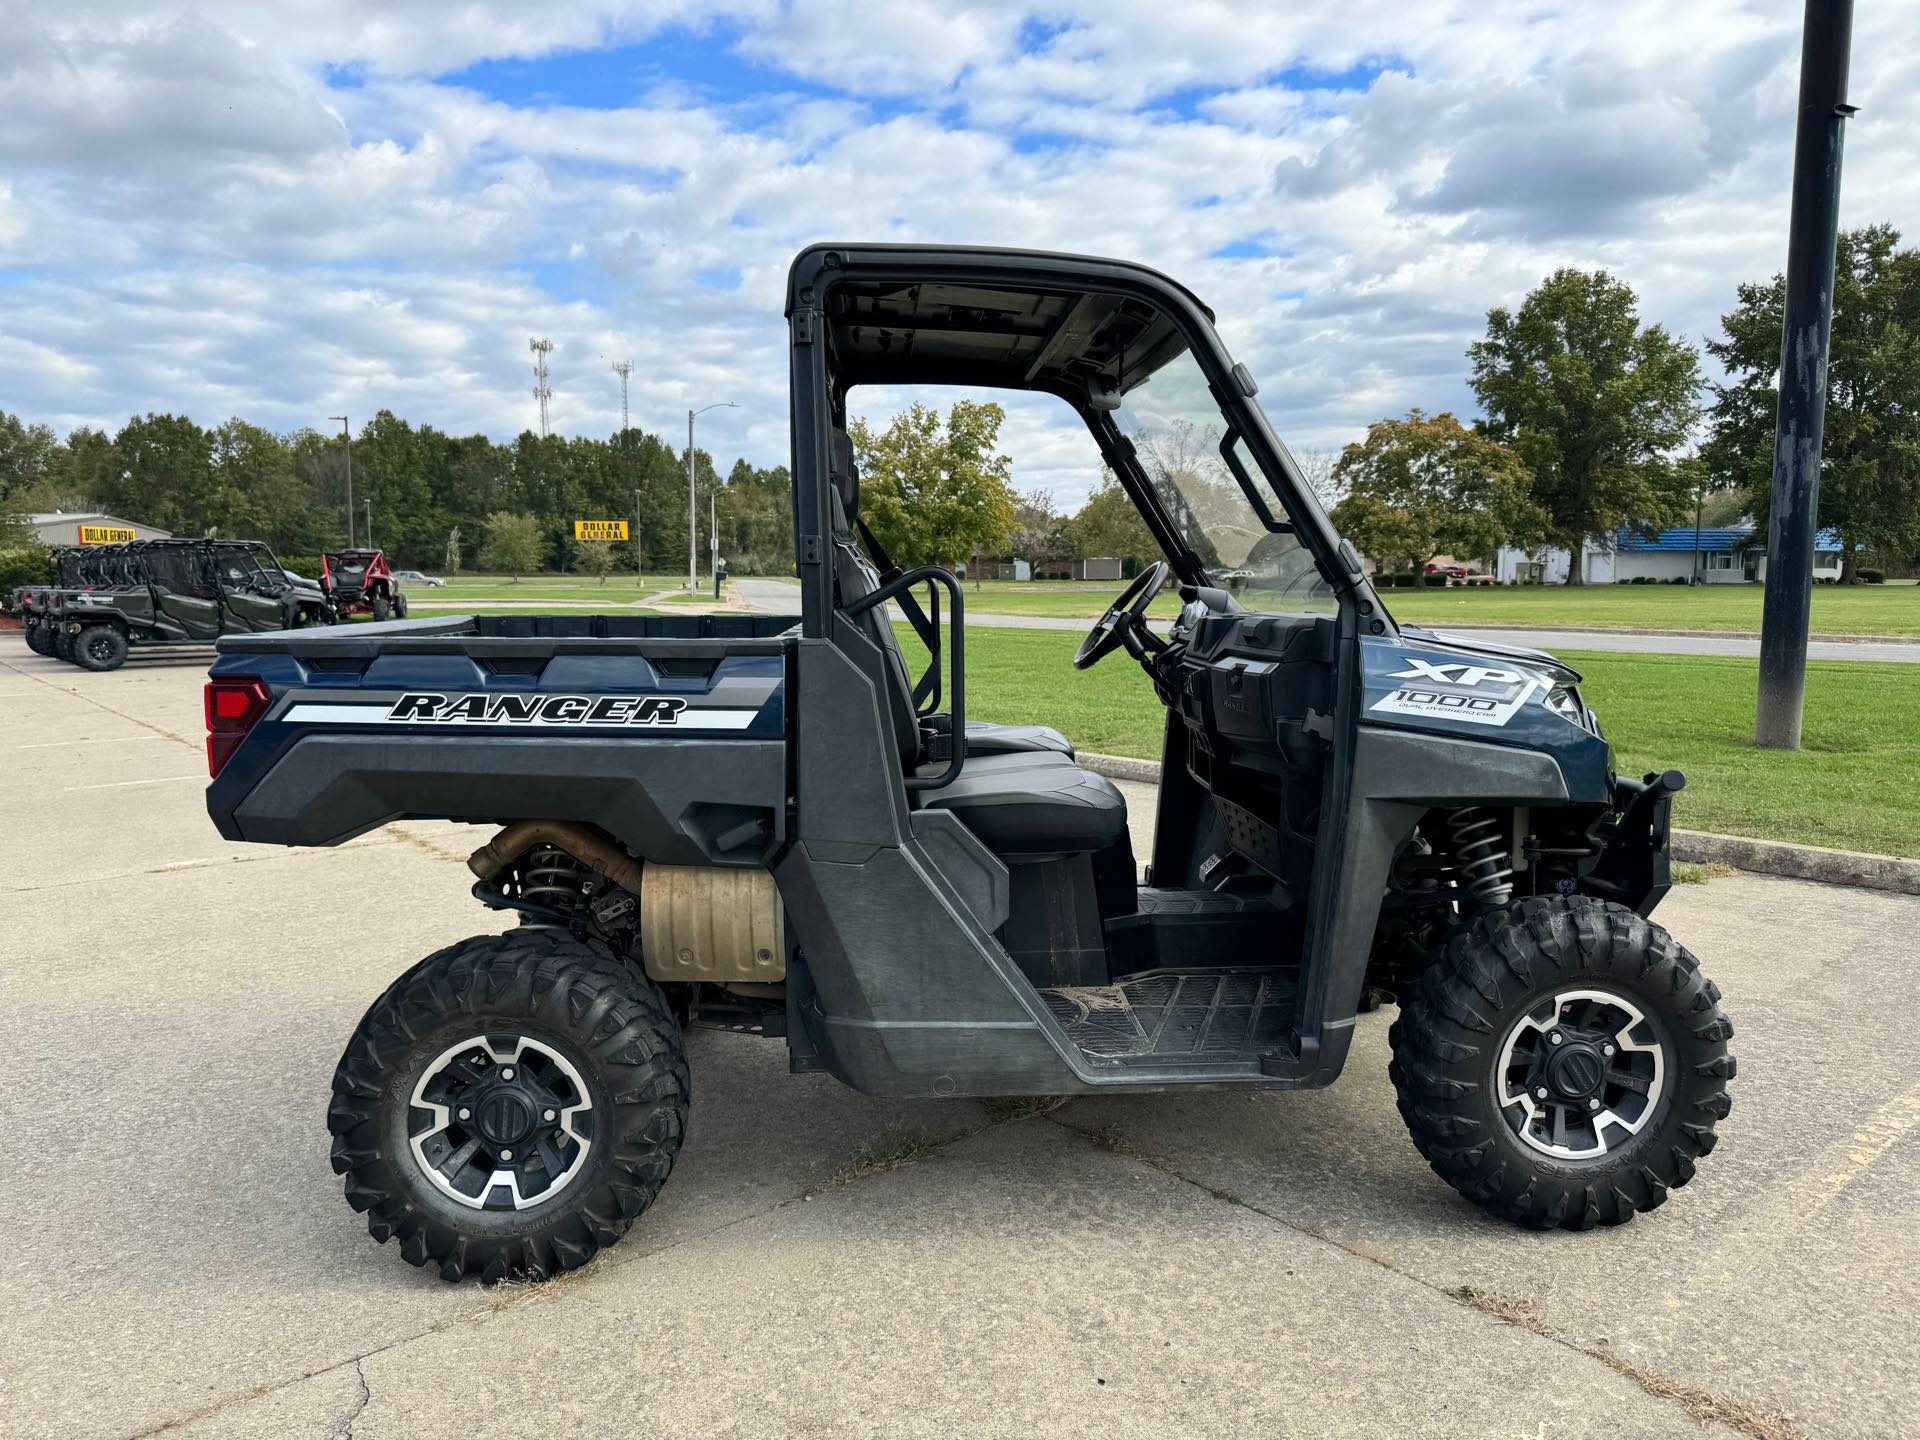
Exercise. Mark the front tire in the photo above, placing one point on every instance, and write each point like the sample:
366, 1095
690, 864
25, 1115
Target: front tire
1563, 1063
380, 608
100, 648
510, 1106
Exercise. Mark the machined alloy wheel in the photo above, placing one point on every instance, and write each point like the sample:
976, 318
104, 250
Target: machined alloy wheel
501, 1121
1580, 1073
1563, 1063
510, 1106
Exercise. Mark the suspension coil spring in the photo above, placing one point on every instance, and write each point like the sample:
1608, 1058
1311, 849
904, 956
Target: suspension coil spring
1481, 856
550, 876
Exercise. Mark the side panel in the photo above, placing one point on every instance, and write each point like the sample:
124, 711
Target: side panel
684, 768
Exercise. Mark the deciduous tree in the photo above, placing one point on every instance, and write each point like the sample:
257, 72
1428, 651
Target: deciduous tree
1426, 486
1870, 468
513, 545
1594, 402
934, 491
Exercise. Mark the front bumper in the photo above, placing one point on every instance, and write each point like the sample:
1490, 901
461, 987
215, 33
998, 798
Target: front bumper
1635, 841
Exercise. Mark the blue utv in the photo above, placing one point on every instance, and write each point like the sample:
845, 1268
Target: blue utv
772, 825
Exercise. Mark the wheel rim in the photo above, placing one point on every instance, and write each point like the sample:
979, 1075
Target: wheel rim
99, 646
500, 1122
1580, 1074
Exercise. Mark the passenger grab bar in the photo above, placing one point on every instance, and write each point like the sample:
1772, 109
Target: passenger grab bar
899, 585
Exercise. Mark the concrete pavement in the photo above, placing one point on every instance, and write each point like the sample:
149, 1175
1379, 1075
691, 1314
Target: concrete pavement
180, 1258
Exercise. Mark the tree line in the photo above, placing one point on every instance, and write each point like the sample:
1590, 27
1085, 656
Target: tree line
1594, 420
434, 500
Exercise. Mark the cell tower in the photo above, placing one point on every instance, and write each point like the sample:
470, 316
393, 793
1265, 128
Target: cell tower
541, 349
623, 368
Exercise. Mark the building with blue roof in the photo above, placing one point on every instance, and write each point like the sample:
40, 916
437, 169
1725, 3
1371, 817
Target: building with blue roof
1724, 554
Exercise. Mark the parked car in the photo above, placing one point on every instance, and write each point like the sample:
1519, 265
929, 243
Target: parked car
414, 577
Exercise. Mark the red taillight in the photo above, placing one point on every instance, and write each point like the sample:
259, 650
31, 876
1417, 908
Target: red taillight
232, 708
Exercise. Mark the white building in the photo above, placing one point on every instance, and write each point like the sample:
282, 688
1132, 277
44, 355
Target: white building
1719, 555
90, 527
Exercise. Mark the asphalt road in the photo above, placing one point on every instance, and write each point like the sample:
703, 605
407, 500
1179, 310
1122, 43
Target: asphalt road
179, 1258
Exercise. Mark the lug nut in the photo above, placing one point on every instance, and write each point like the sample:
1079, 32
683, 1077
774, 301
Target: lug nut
507, 1074
465, 1113
1606, 1049
1593, 1104
550, 1114
506, 1154
1557, 1038
1541, 1093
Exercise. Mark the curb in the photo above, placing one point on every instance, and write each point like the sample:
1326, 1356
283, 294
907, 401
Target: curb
1760, 857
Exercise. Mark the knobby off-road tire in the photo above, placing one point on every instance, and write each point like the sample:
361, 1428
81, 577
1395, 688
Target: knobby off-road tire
39, 639
399, 607
604, 1034
1483, 1004
100, 647
380, 609
62, 644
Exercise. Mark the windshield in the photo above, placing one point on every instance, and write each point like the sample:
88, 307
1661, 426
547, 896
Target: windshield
1202, 474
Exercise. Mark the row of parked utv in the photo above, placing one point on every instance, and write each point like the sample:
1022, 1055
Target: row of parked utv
102, 600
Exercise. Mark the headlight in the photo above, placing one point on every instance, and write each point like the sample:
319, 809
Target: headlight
1564, 700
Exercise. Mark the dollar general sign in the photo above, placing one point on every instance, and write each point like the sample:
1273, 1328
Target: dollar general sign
599, 529
105, 535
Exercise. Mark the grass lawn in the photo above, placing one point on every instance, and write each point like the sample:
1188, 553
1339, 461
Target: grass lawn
1889, 610
1852, 787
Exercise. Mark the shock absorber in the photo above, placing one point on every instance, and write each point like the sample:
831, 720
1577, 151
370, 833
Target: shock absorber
551, 877
1481, 856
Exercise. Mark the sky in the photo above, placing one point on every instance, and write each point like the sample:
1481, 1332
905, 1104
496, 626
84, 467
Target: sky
286, 211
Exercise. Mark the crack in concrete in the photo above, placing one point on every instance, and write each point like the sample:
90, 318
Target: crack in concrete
366, 1399
1735, 1413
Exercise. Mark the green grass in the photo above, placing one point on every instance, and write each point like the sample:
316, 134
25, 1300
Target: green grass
1884, 610
1890, 610
1853, 786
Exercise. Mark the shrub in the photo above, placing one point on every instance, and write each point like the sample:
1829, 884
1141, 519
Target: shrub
307, 565
1437, 582
1871, 577
23, 565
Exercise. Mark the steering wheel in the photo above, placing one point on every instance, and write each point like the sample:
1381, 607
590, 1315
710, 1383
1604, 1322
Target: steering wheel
1117, 625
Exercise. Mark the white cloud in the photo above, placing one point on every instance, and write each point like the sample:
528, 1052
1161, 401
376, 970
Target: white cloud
199, 214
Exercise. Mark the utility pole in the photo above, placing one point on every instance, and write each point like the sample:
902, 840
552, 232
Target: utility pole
638, 579
1812, 233
693, 499
541, 349
369, 522
1699, 504
346, 433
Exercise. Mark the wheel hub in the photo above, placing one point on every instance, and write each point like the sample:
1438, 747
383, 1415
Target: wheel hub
1580, 1074
500, 1122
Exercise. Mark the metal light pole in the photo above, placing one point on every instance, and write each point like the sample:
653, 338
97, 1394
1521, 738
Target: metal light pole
1805, 330
347, 435
693, 499
369, 504
638, 579
713, 542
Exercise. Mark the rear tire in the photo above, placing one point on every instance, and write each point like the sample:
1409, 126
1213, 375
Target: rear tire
62, 643
1498, 1111
380, 609
605, 1041
39, 640
100, 648
400, 606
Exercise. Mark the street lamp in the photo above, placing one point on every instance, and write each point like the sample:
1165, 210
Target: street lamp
693, 501
347, 435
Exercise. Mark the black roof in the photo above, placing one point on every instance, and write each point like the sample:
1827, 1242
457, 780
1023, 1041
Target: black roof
1018, 319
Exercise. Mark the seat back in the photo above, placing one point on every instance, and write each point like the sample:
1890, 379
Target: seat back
855, 578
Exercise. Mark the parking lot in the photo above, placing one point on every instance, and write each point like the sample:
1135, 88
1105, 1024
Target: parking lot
180, 1260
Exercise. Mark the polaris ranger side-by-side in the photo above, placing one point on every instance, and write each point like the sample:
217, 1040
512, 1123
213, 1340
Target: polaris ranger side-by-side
770, 824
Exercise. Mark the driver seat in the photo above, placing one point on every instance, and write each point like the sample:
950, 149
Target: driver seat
856, 577
1019, 790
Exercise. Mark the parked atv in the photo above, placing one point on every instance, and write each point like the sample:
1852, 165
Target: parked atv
358, 582
769, 824
177, 592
